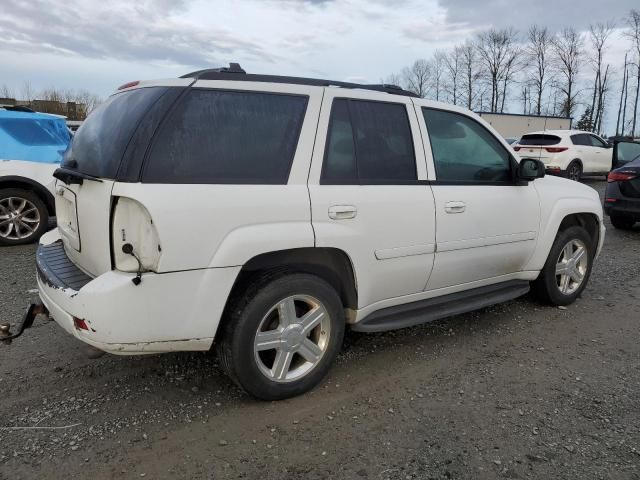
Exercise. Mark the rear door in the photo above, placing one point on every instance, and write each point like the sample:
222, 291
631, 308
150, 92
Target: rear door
83, 189
369, 194
601, 155
583, 151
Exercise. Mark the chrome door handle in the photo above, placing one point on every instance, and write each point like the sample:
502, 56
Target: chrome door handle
342, 212
455, 207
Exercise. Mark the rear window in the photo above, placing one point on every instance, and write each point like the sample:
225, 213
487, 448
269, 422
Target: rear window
100, 142
539, 140
227, 137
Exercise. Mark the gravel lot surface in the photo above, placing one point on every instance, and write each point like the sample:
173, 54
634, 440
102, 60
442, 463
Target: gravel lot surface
514, 391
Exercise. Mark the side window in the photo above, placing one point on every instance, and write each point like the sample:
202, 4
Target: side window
464, 151
596, 142
368, 143
580, 139
227, 137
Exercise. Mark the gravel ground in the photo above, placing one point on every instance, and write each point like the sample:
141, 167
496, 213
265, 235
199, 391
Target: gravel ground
514, 391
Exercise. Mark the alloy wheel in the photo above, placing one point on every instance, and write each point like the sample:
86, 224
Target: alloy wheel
574, 173
571, 266
19, 218
292, 338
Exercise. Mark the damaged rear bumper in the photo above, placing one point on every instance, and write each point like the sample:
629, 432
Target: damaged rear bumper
175, 311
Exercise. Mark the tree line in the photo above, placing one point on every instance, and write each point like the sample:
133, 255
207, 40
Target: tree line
553, 73
53, 100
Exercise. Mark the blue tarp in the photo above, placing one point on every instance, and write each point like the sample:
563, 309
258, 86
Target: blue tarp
34, 137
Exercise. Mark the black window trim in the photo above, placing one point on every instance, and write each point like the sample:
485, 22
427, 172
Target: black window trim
323, 181
512, 161
181, 98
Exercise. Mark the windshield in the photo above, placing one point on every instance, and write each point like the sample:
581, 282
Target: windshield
99, 144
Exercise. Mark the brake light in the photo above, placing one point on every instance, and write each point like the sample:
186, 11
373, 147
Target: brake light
620, 176
556, 149
132, 226
129, 85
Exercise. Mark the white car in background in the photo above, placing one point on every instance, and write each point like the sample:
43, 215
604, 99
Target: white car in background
569, 153
31, 148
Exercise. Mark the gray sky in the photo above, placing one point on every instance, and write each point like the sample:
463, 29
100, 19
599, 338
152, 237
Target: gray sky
98, 45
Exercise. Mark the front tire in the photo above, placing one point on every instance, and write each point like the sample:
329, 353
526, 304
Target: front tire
568, 267
23, 217
281, 335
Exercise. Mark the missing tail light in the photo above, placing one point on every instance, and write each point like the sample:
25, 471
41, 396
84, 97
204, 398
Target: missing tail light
131, 224
517, 149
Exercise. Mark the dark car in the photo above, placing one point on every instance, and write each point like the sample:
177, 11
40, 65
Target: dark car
622, 197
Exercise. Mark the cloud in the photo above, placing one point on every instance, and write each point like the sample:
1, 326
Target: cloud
521, 14
150, 30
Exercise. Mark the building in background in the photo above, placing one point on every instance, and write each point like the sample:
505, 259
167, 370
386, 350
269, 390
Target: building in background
513, 125
70, 110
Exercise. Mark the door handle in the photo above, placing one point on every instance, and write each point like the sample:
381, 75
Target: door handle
455, 207
342, 212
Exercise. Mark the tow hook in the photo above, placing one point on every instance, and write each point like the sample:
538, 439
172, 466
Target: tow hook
6, 336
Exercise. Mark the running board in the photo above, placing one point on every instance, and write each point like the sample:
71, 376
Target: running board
424, 311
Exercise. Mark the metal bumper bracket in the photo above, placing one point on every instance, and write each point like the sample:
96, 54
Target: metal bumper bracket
6, 336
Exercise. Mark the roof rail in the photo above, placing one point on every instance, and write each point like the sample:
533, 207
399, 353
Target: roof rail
235, 72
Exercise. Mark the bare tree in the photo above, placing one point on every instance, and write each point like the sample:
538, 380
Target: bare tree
498, 52
27, 92
598, 34
537, 54
393, 79
633, 33
567, 46
417, 78
453, 64
6, 92
470, 73
625, 82
437, 73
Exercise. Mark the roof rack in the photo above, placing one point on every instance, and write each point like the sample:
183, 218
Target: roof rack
235, 72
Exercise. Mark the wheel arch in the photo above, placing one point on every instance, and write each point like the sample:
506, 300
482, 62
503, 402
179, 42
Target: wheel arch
567, 213
331, 264
24, 183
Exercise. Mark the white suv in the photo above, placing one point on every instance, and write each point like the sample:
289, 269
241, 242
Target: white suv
264, 214
569, 153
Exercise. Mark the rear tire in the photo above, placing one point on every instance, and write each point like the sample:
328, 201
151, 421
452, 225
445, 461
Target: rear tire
574, 171
281, 334
566, 272
622, 223
23, 216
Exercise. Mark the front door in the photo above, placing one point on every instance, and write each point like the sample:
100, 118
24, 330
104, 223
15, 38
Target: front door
487, 224
369, 195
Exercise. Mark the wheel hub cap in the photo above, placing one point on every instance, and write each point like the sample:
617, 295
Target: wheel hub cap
19, 218
292, 338
571, 266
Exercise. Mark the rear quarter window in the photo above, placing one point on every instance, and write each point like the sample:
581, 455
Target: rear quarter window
99, 144
227, 137
539, 140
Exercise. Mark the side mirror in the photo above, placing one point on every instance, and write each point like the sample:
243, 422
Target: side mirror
530, 169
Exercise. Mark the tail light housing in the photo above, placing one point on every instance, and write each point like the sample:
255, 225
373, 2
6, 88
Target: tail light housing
132, 224
621, 176
556, 149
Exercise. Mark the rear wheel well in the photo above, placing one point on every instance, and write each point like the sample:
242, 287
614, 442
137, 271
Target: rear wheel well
588, 221
330, 264
31, 186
